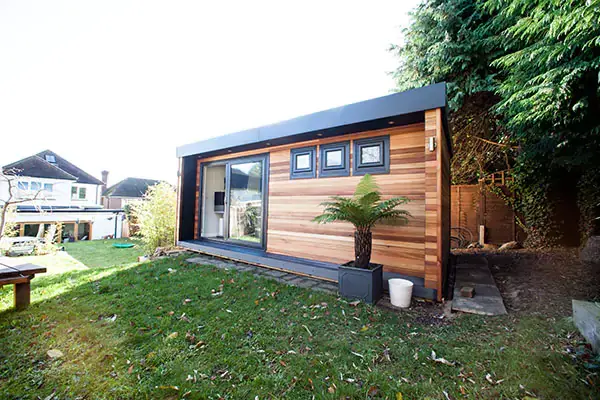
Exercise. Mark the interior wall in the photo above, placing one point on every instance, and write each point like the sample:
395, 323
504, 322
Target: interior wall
214, 181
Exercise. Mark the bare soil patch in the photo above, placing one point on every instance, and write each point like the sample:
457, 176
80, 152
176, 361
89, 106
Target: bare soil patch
541, 282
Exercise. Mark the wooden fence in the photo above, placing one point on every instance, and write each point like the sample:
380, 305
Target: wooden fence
475, 205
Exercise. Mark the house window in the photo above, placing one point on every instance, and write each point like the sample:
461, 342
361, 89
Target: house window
48, 187
82, 193
372, 156
73, 192
303, 163
50, 158
23, 185
334, 159
36, 186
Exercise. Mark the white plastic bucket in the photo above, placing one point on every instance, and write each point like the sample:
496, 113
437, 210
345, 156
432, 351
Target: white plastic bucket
400, 292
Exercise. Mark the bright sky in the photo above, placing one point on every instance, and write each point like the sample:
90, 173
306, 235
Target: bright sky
118, 85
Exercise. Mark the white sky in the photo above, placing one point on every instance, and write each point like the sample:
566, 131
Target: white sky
118, 85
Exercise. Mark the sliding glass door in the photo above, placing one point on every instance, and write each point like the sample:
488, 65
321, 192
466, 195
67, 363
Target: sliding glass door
233, 201
246, 201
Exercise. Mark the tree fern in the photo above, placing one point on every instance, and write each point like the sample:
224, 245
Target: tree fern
364, 210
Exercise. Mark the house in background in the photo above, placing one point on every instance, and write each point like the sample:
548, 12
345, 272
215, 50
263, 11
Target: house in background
56, 191
252, 195
124, 192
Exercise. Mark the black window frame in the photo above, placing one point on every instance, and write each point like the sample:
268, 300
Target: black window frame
381, 167
344, 169
305, 173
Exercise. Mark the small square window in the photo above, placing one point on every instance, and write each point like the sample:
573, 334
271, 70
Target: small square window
48, 187
36, 186
23, 185
50, 158
303, 163
371, 156
335, 159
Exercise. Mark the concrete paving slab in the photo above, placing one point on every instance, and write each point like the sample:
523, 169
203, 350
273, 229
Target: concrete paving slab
279, 276
487, 299
586, 315
303, 282
326, 287
273, 273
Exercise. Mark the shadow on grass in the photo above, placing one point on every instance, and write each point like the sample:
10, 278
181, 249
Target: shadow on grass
162, 329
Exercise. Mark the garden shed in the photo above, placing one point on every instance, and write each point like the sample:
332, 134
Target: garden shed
251, 195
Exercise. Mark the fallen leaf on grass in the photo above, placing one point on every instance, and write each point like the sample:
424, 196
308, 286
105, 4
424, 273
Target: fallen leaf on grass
184, 318
190, 337
173, 335
307, 330
130, 369
53, 353
441, 360
488, 377
398, 396
373, 391
354, 303
169, 387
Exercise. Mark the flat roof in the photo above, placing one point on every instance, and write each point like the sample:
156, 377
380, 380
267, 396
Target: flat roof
408, 104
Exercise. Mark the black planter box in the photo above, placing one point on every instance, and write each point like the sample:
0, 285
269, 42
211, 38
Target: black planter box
361, 284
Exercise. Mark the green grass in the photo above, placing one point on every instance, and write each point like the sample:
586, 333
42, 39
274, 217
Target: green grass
116, 325
101, 253
86, 254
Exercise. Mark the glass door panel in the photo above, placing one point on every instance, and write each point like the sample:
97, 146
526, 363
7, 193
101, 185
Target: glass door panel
246, 201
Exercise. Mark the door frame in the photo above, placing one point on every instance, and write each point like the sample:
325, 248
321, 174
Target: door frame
265, 199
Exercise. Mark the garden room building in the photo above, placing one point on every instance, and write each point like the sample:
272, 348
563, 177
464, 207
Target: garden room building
251, 195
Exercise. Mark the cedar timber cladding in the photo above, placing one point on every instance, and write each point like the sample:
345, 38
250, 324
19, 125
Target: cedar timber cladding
437, 196
294, 203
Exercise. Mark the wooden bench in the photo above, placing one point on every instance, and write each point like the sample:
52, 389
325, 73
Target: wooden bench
20, 276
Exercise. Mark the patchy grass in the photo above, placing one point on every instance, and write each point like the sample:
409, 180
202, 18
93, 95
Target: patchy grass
140, 331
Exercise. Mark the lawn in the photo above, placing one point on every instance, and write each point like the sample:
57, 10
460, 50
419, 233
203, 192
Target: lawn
168, 329
101, 253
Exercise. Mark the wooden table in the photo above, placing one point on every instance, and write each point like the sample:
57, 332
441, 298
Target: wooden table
20, 276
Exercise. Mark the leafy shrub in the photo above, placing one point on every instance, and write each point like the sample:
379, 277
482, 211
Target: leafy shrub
251, 220
155, 215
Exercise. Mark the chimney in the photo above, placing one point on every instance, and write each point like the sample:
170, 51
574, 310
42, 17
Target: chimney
104, 180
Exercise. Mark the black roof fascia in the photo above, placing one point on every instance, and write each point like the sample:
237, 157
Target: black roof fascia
335, 121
